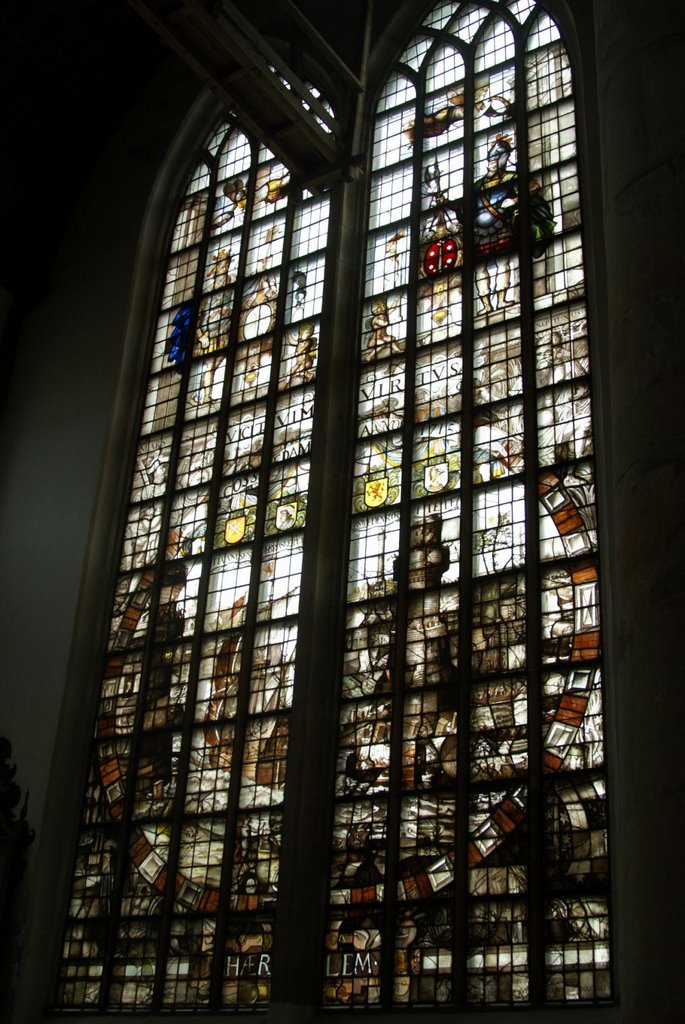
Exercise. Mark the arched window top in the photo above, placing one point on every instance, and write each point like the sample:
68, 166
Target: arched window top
543, 32
480, 26
495, 45
416, 51
446, 66
398, 90
521, 8
466, 24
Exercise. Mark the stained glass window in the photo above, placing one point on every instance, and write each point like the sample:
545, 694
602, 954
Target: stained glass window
176, 874
468, 843
468, 846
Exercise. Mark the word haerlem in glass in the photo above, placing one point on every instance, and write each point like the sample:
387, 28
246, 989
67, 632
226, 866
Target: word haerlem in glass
176, 874
469, 860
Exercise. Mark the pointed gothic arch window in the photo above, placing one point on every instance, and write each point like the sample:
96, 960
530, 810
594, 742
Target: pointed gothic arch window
469, 851
468, 848
176, 873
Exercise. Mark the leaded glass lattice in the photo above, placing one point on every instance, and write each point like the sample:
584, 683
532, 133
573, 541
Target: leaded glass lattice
176, 876
469, 849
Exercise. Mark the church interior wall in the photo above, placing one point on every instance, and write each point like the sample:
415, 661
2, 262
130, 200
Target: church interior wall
68, 427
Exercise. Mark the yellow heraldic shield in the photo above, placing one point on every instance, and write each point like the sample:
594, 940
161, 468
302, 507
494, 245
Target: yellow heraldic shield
235, 529
376, 492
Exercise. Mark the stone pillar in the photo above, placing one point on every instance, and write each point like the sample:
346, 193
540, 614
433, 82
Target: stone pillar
640, 60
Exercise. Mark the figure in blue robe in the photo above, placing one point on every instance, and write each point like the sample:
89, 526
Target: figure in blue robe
178, 344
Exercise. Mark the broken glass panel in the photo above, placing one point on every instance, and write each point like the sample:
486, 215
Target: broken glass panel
374, 550
358, 863
141, 539
136, 943
576, 851
254, 884
279, 579
363, 748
